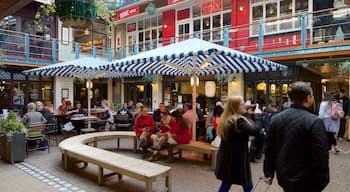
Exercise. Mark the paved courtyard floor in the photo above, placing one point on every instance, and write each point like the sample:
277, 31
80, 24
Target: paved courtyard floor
44, 172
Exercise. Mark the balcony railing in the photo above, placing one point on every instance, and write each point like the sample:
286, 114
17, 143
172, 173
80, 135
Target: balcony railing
23, 47
289, 35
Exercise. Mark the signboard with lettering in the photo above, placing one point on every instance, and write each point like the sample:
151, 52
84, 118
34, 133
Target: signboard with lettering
127, 12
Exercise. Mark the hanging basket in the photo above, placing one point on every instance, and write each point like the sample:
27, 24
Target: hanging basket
77, 14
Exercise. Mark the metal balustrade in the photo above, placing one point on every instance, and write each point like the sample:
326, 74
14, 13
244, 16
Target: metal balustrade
282, 36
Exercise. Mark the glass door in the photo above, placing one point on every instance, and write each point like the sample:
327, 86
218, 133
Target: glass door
183, 30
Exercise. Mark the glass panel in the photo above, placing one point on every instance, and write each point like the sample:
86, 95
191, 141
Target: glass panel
5, 91
180, 29
187, 28
34, 88
140, 38
286, 10
261, 93
154, 34
271, 12
140, 25
206, 28
147, 35
197, 25
160, 20
206, 23
216, 21
301, 5
226, 4
257, 14
154, 22
147, 23
160, 35
196, 10
275, 94
46, 92
216, 27
227, 19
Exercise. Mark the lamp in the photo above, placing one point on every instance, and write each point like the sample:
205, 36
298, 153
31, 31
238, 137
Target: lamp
241, 7
89, 84
194, 81
165, 26
210, 88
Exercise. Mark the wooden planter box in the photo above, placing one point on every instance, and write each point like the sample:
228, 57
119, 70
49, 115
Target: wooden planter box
13, 148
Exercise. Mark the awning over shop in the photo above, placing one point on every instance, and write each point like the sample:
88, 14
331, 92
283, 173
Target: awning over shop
85, 68
193, 57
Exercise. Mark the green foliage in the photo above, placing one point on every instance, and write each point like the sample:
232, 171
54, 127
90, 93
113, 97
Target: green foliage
103, 13
10, 125
106, 15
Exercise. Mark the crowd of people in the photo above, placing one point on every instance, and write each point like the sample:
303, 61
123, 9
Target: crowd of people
295, 142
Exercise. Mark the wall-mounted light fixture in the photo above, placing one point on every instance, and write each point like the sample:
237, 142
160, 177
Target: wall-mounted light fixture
241, 7
165, 26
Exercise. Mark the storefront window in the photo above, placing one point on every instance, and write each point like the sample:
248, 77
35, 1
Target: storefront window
149, 29
215, 14
34, 88
273, 9
46, 92
5, 91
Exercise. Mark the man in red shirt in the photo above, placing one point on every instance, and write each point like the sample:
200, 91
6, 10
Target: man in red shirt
144, 126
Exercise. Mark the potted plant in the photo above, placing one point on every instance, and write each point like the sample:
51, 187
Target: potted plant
12, 139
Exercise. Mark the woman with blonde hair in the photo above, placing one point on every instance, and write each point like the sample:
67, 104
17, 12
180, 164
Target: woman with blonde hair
233, 158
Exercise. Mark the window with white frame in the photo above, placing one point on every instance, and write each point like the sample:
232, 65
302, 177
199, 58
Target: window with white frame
149, 30
210, 17
278, 15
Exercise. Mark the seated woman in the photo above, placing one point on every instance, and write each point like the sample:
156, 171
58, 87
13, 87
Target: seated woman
144, 125
78, 110
179, 133
107, 115
166, 122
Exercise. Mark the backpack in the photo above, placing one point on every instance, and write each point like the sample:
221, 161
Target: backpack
105, 114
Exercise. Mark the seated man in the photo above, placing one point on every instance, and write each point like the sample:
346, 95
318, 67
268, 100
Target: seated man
144, 125
78, 110
33, 117
45, 112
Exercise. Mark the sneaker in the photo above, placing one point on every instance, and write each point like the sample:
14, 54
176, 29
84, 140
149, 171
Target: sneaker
336, 149
339, 139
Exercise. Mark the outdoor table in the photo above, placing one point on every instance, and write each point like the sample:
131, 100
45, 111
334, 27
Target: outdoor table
85, 118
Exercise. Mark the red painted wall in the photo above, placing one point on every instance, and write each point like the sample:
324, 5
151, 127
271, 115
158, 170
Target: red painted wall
168, 26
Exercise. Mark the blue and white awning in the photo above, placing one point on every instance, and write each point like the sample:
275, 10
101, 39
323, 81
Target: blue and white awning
85, 68
193, 57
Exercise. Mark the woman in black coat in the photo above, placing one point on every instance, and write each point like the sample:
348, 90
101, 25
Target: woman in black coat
233, 158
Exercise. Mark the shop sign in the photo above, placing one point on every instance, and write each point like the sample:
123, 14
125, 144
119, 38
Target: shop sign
131, 27
173, 1
211, 7
128, 12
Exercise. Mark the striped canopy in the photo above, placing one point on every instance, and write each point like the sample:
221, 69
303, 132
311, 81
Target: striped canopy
84, 68
193, 57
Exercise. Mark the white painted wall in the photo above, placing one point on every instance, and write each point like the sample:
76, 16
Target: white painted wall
236, 86
59, 84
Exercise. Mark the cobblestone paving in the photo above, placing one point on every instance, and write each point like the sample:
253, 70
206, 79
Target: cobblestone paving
190, 174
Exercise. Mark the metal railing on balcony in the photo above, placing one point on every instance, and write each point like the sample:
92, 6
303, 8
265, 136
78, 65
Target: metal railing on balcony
283, 36
23, 47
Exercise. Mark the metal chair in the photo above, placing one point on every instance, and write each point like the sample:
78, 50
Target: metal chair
52, 131
122, 122
36, 135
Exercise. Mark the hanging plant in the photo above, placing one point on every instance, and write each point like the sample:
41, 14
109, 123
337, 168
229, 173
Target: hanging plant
78, 14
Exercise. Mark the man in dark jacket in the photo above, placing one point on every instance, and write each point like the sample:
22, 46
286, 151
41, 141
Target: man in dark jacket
296, 145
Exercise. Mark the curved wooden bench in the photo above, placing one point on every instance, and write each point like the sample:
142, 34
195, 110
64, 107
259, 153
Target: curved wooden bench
77, 148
